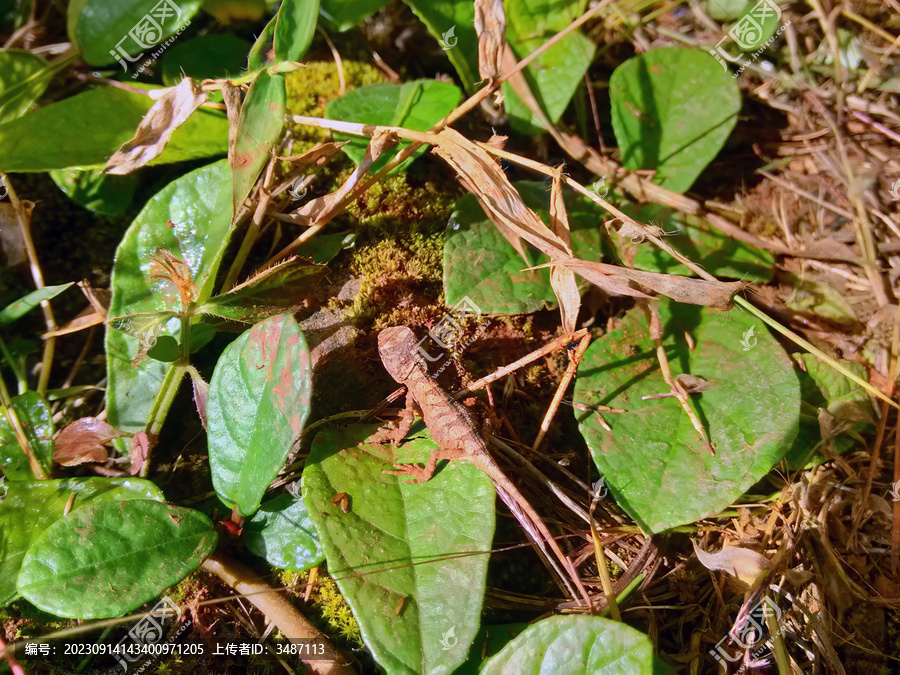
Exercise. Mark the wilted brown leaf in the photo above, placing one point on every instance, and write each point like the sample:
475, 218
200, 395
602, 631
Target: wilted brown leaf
741, 563
83, 440
156, 129
490, 25
562, 279
140, 448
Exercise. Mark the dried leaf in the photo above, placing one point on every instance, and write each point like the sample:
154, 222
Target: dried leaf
201, 389
12, 243
316, 153
156, 129
490, 26
232, 98
562, 279
741, 563
83, 440
140, 447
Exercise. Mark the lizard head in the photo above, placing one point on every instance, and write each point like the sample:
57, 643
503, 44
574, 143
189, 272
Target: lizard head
397, 346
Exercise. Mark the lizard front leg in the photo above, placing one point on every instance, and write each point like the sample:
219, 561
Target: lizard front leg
388, 435
421, 474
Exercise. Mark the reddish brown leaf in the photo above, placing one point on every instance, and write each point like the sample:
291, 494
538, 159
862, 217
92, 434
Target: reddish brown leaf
140, 447
490, 25
83, 440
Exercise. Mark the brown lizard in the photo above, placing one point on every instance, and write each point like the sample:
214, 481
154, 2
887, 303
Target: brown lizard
454, 429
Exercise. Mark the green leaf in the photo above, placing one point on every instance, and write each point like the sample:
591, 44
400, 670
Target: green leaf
814, 297
274, 290
82, 131
198, 205
698, 241
28, 302
345, 14
488, 641
821, 386
759, 32
725, 10
208, 57
442, 16
653, 457
31, 507
391, 553
97, 191
22, 81
105, 29
672, 111
14, 13
295, 26
165, 349
262, 117
417, 105
557, 73
106, 559
323, 248
493, 278
571, 645
282, 533
37, 420
259, 399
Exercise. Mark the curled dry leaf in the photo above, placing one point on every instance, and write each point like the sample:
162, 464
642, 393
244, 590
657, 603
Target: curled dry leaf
83, 440
171, 111
490, 25
12, 242
562, 279
316, 153
741, 563
140, 447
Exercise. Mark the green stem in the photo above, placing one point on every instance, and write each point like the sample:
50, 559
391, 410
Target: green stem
161, 405
6, 407
17, 371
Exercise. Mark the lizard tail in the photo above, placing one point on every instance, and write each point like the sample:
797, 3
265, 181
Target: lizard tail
540, 536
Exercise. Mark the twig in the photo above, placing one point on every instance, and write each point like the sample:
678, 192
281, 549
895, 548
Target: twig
277, 610
574, 360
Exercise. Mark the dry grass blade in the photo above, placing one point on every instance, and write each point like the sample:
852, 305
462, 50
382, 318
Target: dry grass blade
562, 279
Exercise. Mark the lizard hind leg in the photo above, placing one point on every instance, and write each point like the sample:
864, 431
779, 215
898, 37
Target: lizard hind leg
421, 474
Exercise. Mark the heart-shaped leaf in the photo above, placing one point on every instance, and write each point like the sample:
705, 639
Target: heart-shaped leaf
558, 72
198, 207
36, 419
575, 645
672, 111
391, 553
104, 560
282, 533
259, 398
481, 265
31, 507
654, 458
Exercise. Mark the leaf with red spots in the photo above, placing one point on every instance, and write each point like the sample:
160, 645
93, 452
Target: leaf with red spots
259, 399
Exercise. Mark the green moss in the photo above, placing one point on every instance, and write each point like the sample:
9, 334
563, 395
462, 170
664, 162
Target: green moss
327, 600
